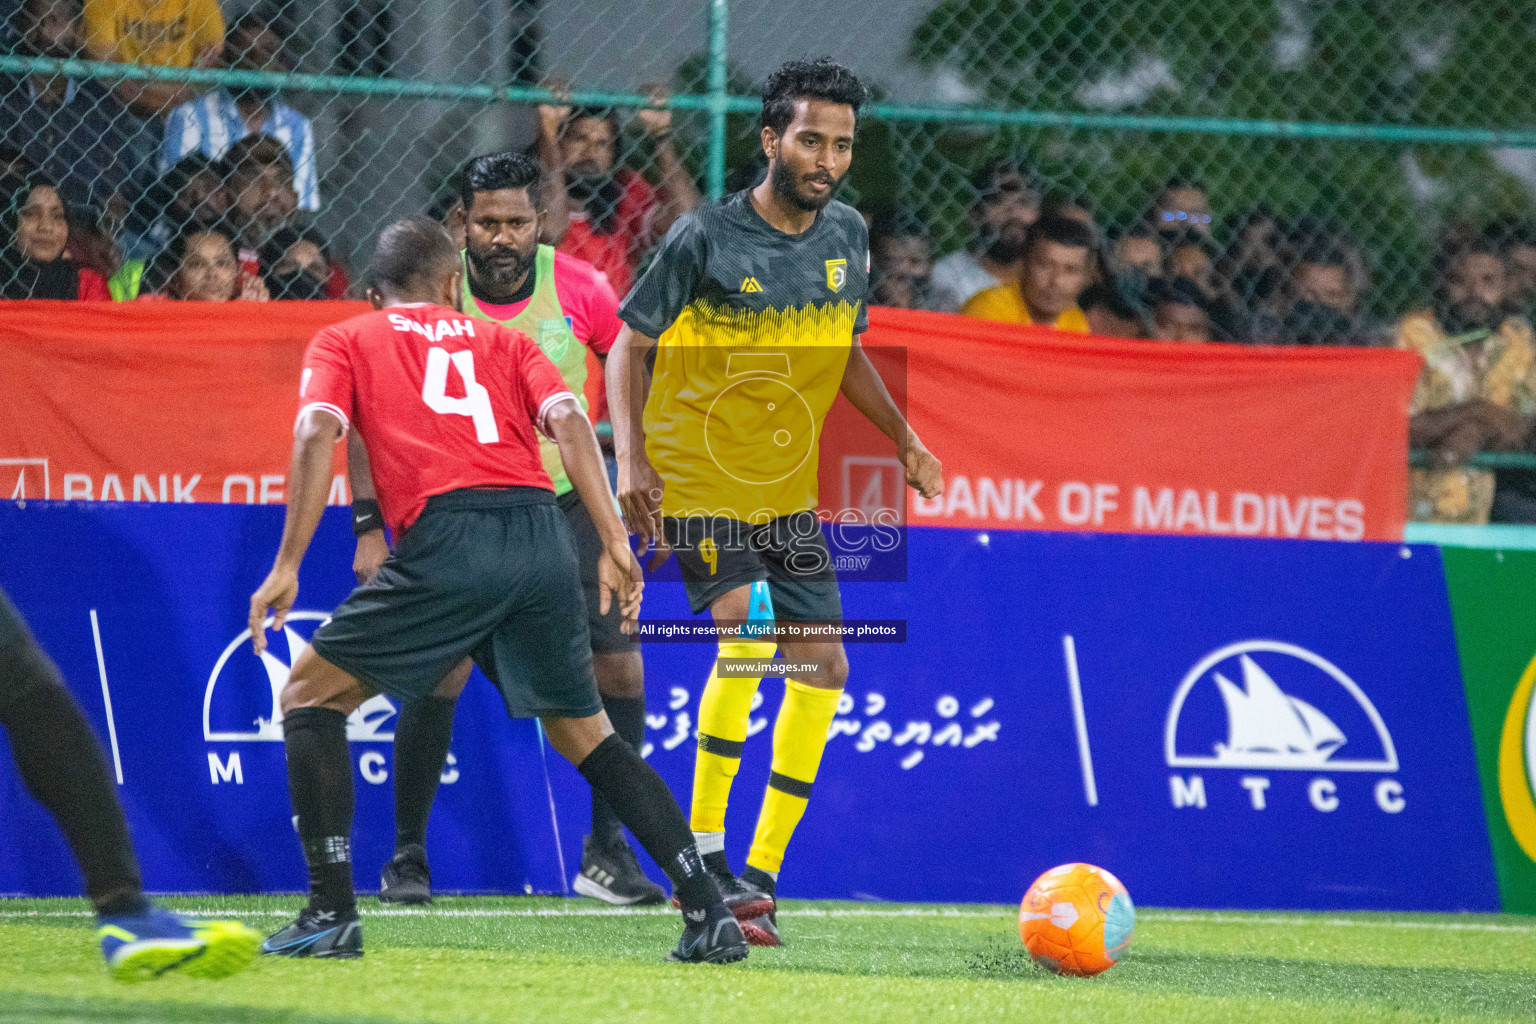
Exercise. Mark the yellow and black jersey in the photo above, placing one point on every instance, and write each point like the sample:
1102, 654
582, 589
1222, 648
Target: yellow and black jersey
754, 329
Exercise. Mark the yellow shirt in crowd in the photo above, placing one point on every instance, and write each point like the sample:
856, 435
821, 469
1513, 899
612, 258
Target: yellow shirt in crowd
168, 33
1005, 302
1500, 369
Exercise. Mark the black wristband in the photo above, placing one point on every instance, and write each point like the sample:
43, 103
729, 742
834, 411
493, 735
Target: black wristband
366, 516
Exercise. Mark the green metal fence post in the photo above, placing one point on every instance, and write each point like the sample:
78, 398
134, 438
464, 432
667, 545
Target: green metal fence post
714, 184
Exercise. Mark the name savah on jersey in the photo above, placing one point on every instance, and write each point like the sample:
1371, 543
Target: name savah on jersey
434, 331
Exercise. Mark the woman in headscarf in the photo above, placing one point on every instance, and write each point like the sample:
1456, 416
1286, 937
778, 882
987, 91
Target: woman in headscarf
34, 236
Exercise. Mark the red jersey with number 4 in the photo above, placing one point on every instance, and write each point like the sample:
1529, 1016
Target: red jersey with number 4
442, 400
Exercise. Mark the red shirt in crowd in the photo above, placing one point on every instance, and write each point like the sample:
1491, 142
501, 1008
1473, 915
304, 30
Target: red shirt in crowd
442, 400
93, 287
617, 252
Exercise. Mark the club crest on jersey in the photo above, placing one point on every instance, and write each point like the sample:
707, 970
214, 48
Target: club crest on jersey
554, 336
837, 274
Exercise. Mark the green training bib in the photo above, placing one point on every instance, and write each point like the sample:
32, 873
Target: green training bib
545, 322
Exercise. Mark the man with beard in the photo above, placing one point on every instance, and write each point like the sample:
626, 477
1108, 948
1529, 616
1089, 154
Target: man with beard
1007, 203
1058, 264
1477, 391
615, 215
1324, 301
213, 123
69, 128
567, 307
752, 309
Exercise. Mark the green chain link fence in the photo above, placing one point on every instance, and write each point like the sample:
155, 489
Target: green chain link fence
1373, 125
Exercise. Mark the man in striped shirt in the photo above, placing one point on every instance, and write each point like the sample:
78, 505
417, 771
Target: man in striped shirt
213, 123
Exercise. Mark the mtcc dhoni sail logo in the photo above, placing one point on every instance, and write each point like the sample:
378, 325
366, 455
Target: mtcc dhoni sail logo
1264, 706
241, 703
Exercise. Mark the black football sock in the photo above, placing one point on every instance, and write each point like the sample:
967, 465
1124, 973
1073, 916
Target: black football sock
422, 735
718, 862
64, 769
646, 806
628, 717
320, 786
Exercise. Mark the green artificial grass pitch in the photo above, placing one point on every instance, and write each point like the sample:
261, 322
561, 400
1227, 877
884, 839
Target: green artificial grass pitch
556, 961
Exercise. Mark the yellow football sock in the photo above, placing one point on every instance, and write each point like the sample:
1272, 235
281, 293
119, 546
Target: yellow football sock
799, 737
723, 713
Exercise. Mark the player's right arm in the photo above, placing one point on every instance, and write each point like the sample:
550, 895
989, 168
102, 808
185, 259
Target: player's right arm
309, 483
640, 486
652, 306
325, 396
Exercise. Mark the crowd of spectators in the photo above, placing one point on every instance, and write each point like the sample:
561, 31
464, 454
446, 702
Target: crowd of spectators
1039, 258
161, 186
145, 189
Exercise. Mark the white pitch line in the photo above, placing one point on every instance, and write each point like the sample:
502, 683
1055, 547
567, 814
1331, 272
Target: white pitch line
852, 912
1338, 922
551, 912
1075, 685
106, 696
554, 817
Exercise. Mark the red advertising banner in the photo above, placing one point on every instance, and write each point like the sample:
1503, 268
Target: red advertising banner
1037, 430
1043, 430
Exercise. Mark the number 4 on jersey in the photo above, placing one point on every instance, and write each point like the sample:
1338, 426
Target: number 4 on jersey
476, 403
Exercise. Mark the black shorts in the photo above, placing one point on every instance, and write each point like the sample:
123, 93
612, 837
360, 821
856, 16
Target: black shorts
487, 574
607, 637
717, 555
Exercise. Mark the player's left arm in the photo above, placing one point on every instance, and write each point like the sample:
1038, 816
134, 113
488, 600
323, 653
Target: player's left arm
309, 483
556, 412
618, 571
367, 519
863, 387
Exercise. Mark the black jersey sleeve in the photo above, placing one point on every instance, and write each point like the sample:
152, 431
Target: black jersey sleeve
861, 321
668, 285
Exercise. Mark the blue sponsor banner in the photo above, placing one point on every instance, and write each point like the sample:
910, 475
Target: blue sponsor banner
1224, 723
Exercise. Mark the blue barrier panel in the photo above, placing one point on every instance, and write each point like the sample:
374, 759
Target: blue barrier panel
1229, 723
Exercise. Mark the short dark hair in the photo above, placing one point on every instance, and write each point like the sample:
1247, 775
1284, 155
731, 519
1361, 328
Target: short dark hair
1140, 229
1324, 255
985, 178
249, 155
1180, 181
899, 222
409, 250
19, 13
608, 114
1475, 246
1183, 238
1107, 297
1061, 230
496, 171
285, 238
161, 194
1058, 199
819, 79
1178, 291
1511, 233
